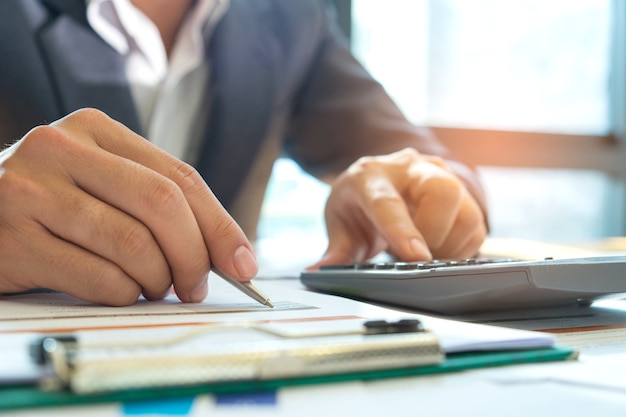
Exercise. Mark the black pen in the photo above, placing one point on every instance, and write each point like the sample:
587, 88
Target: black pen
245, 287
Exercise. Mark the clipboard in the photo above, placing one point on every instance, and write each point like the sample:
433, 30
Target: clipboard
21, 397
221, 353
166, 362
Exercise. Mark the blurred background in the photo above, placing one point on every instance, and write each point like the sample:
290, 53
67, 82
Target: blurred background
532, 92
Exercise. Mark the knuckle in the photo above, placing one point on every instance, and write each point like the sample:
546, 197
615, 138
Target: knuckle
225, 228
164, 197
87, 115
44, 143
40, 137
382, 200
135, 242
365, 164
443, 185
363, 173
106, 280
410, 153
39, 132
437, 160
187, 177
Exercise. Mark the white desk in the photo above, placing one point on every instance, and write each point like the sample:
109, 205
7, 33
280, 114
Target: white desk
593, 385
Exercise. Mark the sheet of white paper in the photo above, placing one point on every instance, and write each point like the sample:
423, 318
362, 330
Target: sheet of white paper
23, 317
456, 336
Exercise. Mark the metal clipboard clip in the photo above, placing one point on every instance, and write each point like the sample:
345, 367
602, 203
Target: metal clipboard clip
227, 353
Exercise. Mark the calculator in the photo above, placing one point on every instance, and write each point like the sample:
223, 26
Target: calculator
453, 287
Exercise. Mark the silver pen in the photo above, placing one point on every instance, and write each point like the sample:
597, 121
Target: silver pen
245, 287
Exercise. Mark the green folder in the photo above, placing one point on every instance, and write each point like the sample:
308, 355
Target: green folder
17, 397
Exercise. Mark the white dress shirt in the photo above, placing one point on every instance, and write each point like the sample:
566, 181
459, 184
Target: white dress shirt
169, 94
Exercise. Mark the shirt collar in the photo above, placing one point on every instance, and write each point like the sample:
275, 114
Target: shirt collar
123, 26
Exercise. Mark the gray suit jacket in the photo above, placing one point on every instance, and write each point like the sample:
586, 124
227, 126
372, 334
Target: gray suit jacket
282, 80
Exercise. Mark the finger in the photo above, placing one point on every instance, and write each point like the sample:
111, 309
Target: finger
65, 267
467, 234
468, 249
229, 248
77, 217
348, 241
436, 200
162, 207
388, 212
143, 193
472, 246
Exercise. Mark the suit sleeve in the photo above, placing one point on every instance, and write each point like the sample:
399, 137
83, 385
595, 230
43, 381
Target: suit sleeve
341, 113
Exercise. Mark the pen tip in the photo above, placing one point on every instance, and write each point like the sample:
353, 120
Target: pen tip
269, 303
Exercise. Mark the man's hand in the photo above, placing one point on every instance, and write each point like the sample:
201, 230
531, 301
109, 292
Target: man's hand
406, 203
89, 208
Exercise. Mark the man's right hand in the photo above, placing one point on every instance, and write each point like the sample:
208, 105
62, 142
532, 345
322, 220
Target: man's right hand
89, 208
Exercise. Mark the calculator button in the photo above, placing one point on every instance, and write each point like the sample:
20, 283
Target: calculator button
384, 265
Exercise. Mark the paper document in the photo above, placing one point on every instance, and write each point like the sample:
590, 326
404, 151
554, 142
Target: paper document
26, 317
60, 312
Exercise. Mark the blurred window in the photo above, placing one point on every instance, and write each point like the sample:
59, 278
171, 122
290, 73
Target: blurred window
510, 66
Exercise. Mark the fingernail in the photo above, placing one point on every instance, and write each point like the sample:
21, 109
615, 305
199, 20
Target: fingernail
419, 249
245, 263
200, 292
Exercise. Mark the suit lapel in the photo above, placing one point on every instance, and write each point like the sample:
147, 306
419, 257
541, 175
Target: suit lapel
86, 71
244, 63
243, 53
76, 9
